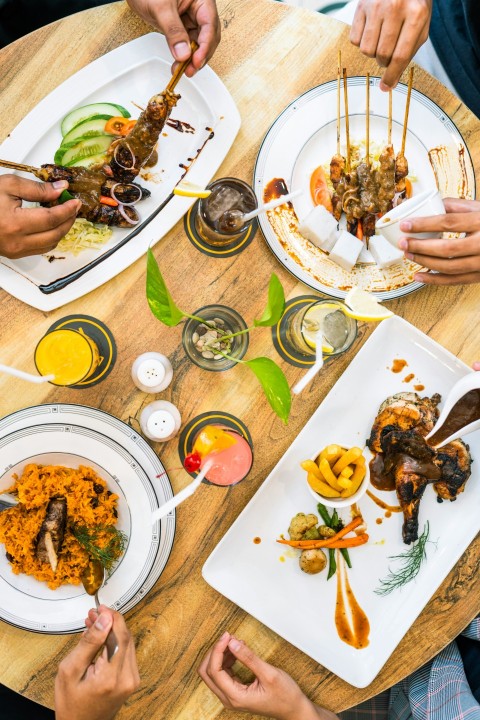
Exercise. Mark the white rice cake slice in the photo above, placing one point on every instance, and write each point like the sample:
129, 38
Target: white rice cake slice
383, 252
346, 250
320, 227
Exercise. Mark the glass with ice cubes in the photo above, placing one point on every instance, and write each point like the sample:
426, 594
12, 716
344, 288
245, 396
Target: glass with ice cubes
217, 217
338, 330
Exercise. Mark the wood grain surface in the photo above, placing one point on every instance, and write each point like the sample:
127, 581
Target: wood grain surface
270, 53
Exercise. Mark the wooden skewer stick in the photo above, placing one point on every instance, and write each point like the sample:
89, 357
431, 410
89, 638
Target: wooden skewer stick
180, 69
407, 110
18, 166
338, 99
347, 126
389, 117
367, 141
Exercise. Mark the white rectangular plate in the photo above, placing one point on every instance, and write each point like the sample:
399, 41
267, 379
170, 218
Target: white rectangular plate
128, 76
301, 607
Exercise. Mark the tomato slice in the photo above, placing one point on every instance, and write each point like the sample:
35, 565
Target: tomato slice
319, 189
119, 125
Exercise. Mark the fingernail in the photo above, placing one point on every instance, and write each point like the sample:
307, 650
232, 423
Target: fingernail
406, 226
79, 206
102, 622
403, 244
60, 184
234, 645
409, 256
181, 51
225, 635
383, 86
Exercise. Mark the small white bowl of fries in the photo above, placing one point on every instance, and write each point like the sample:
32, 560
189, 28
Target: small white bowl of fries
339, 475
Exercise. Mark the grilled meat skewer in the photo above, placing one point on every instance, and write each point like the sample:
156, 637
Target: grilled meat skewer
50, 538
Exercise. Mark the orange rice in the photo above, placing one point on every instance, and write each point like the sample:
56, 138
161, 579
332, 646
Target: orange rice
20, 525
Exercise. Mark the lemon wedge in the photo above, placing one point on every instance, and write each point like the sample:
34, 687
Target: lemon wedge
188, 189
313, 322
361, 305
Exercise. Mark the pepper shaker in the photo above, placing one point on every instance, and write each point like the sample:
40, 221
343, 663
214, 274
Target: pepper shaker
152, 372
160, 421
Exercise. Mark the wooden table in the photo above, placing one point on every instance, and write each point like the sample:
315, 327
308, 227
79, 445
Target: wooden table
296, 50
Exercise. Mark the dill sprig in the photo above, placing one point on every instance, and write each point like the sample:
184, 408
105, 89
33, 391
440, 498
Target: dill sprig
107, 553
411, 562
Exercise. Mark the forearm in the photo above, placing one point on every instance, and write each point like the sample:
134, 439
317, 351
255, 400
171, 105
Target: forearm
309, 711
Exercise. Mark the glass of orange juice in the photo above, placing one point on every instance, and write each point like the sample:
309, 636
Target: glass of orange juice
69, 355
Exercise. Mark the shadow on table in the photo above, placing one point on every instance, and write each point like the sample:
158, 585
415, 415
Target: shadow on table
16, 707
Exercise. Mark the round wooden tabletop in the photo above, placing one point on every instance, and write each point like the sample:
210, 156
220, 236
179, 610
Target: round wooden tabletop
270, 53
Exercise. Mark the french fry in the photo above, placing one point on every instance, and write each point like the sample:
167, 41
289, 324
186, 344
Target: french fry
346, 472
321, 487
331, 454
356, 480
346, 459
311, 467
327, 473
344, 482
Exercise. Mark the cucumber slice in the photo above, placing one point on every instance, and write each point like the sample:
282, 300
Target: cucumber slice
89, 161
85, 148
87, 112
88, 128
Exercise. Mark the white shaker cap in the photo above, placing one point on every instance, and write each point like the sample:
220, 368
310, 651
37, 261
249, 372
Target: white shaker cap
161, 424
150, 372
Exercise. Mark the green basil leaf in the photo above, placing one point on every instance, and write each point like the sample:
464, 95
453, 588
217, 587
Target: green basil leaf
159, 299
275, 305
274, 384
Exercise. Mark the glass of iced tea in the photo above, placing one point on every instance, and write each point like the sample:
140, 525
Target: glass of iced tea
217, 220
339, 331
69, 355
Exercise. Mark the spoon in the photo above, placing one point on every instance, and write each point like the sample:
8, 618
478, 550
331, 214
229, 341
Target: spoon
7, 501
236, 219
26, 376
93, 578
317, 365
461, 410
182, 495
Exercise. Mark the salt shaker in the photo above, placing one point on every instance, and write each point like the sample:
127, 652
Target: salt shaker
160, 421
152, 372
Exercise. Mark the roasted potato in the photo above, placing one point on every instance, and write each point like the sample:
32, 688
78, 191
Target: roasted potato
313, 561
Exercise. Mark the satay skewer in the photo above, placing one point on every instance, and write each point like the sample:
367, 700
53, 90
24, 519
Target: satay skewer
386, 168
367, 121
407, 109
338, 99
180, 69
38, 172
390, 113
347, 124
338, 162
401, 164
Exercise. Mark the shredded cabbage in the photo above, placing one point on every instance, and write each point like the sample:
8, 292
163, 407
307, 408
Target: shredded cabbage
84, 235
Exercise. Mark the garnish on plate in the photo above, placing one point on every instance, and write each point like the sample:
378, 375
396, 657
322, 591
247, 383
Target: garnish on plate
109, 552
411, 562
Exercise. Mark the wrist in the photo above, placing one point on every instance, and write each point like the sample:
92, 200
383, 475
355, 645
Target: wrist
306, 710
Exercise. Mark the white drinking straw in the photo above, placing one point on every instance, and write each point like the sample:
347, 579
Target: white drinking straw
182, 495
26, 376
317, 365
272, 204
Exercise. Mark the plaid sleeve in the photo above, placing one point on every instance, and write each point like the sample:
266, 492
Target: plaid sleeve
437, 691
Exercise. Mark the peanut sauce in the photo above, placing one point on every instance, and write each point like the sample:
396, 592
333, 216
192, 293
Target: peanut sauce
379, 479
464, 412
384, 505
419, 388
257, 540
353, 626
398, 365
379, 521
408, 378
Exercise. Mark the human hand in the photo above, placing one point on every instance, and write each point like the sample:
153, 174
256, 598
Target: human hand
95, 689
181, 21
35, 230
273, 693
391, 31
456, 260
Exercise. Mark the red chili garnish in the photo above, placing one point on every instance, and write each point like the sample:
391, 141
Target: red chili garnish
192, 462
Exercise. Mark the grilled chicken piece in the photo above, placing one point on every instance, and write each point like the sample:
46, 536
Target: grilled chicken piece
412, 463
404, 411
52, 531
455, 463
